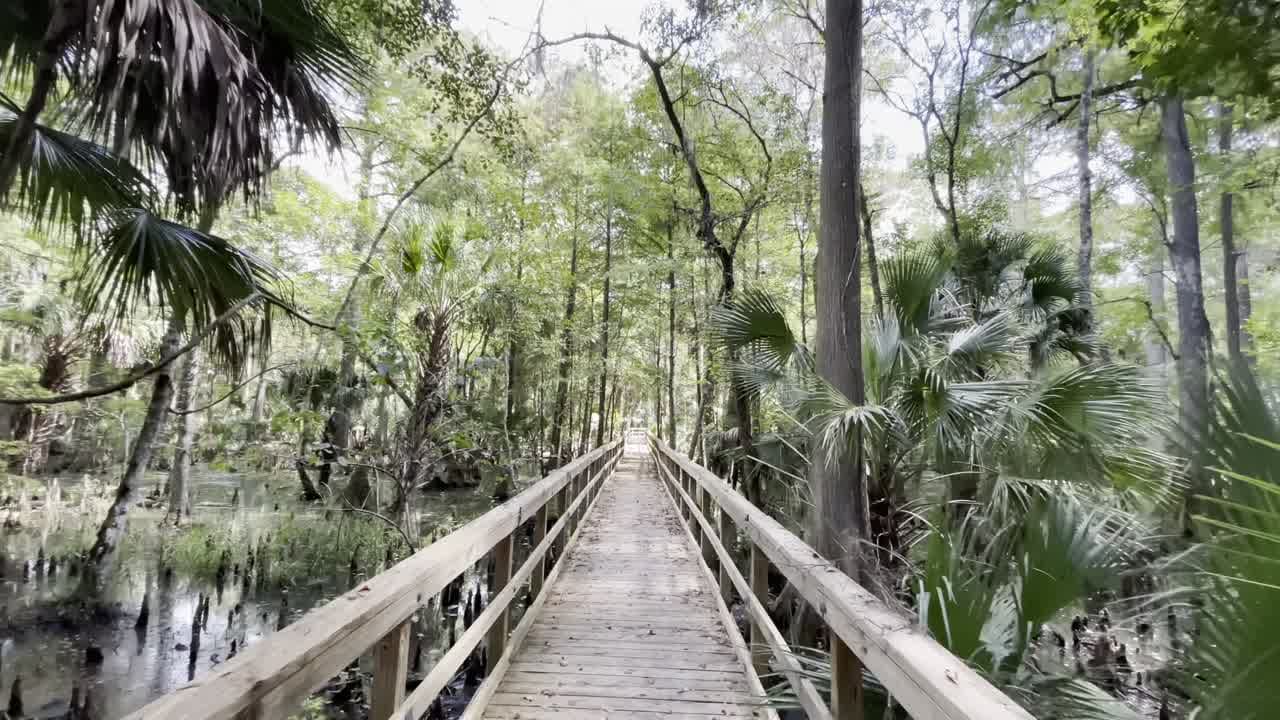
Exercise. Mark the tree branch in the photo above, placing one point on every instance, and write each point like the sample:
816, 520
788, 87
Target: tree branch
232, 391
147, 371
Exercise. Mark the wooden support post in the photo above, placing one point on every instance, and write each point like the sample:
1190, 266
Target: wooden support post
728, 536
390, 669
540, 569
708, 552
759, 579
497, 642
846, 682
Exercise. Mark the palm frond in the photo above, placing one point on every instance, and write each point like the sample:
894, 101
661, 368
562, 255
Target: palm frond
757, 322
911, 282
979, 348
142, 259
1238, 653
205, 86
1091, 406
67, 182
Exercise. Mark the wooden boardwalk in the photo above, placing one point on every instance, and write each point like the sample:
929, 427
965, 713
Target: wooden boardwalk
634, 626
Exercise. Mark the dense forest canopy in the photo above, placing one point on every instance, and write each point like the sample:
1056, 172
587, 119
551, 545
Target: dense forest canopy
975, 295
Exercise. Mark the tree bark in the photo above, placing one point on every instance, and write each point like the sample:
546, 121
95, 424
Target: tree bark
101, 561
1084, 262
1193, 325
180, 471
1232, 259
1157, 355
566, 350
841, 513
604, 326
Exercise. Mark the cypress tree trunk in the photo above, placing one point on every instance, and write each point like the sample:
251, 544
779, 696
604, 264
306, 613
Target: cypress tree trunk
671, 332
1193, 325
1084, 262
604, 326
1157, 355
1233, 260
873, 264
566, 351
841, 513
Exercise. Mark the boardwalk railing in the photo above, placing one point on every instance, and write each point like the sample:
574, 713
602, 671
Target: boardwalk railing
271, 679
921, 675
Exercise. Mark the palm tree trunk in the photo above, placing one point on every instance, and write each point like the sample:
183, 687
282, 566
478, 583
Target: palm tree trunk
1193, 325
102, 556
180, 471
841, 514
1084, 262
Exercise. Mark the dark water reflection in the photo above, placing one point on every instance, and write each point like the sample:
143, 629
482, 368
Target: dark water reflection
46, 645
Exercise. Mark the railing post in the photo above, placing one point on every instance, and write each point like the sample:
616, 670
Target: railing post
759, 572
728, 534
539, 533
497, 639
390, 670
846, 682
704, 538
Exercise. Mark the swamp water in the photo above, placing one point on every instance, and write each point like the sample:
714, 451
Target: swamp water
312, 554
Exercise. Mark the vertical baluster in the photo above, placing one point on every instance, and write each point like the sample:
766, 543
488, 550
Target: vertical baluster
704, 539
728, 536
390, 669
759, 572
846, 682
497, 639
539, 533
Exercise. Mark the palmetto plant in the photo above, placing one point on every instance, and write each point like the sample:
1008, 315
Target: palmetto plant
982, 372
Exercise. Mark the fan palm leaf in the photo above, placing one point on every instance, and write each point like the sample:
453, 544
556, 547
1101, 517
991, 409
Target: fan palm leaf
142, 259
200, 86
67, 182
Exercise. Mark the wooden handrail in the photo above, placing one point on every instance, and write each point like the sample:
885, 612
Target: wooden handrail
270, 679
921, 675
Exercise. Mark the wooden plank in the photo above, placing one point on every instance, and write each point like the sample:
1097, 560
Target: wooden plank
671, 661
390, 670
512, 712
578, 702
628, 671
583, 680
929, 682
631, 690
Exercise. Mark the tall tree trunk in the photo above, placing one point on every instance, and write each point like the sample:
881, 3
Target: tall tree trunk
259, 403
657, 394
1193, 325
1157, 356
1084, 262
671, 331
180, 470
873, 263
566, 349
1232, 259
604, 324
102, 556
841, 513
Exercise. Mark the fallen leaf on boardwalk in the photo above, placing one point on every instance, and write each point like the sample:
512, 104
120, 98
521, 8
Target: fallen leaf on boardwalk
951, 676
